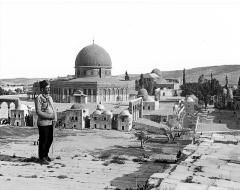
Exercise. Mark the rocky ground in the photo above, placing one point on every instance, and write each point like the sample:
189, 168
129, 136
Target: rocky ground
212, 164
88, 159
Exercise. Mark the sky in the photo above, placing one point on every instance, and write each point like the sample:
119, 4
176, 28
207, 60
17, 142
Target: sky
41, 38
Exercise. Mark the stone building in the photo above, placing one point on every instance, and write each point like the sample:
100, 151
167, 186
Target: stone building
189, 105
102, 119
93, 68
124, 121
75, 117
148, 102
18, 115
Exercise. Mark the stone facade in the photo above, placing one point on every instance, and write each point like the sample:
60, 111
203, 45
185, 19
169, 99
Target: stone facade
17, 118
75, 117
97, 90
125, 121
101, 120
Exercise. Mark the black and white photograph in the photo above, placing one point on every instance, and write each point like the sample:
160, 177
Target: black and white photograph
119, 94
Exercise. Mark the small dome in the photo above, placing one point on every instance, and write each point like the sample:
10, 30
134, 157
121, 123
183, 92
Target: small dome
77, 107
107, 113
93, 56
96, 112
148, 99
190, 99
125, 113
142, 92
22, 107
193, 97
100, 107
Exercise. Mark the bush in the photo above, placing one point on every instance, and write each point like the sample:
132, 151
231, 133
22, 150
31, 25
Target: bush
104, 155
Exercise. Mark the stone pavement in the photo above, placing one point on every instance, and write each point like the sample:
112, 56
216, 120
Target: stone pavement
214, 164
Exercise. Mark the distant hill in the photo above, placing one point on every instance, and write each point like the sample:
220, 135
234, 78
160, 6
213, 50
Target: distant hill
219, 72
20, 81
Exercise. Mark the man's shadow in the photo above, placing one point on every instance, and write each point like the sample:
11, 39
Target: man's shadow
14, 158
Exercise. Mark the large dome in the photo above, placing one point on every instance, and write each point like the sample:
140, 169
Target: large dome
93, 56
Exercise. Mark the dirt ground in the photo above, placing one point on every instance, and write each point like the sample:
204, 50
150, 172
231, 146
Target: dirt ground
87, 159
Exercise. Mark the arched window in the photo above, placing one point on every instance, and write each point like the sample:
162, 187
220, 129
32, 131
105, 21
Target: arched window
109, 95
104, 95
89, 92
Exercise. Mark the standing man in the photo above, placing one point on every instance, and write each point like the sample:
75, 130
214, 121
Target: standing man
46, 121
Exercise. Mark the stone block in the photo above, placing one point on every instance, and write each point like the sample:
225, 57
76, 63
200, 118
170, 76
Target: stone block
217, 188
156, 179
224, 174
227, 184
191, 186
203, 180
180, 176
168, 184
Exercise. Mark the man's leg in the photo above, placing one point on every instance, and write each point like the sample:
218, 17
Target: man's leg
49, 138
42, 141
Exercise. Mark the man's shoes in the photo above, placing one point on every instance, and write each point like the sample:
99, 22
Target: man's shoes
49, 159
43, 161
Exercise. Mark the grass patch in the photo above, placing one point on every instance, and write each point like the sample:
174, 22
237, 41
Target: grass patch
106, 163
58, 157
31, 176
105, 155
62, 176
118, 160
139, 160
188, 179
198, 169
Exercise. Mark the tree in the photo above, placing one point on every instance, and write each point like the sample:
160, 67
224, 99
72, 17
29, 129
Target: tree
2, 91
203, 89
141, 81
126, 76
184, 83
35, 89
18, 90
142, 137
149, 85
226, 81
173, 124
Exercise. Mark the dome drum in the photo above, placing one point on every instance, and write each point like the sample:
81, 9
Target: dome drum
92, 72
91, 59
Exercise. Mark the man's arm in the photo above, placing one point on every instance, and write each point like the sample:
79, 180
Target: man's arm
39, 112
54, 111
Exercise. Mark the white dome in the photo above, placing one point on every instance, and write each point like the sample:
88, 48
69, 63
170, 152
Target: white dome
107, 113
100, 107
96, 112
190, 99
125, 113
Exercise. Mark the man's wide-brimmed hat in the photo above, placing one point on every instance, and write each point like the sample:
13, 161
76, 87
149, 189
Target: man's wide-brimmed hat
43, 84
